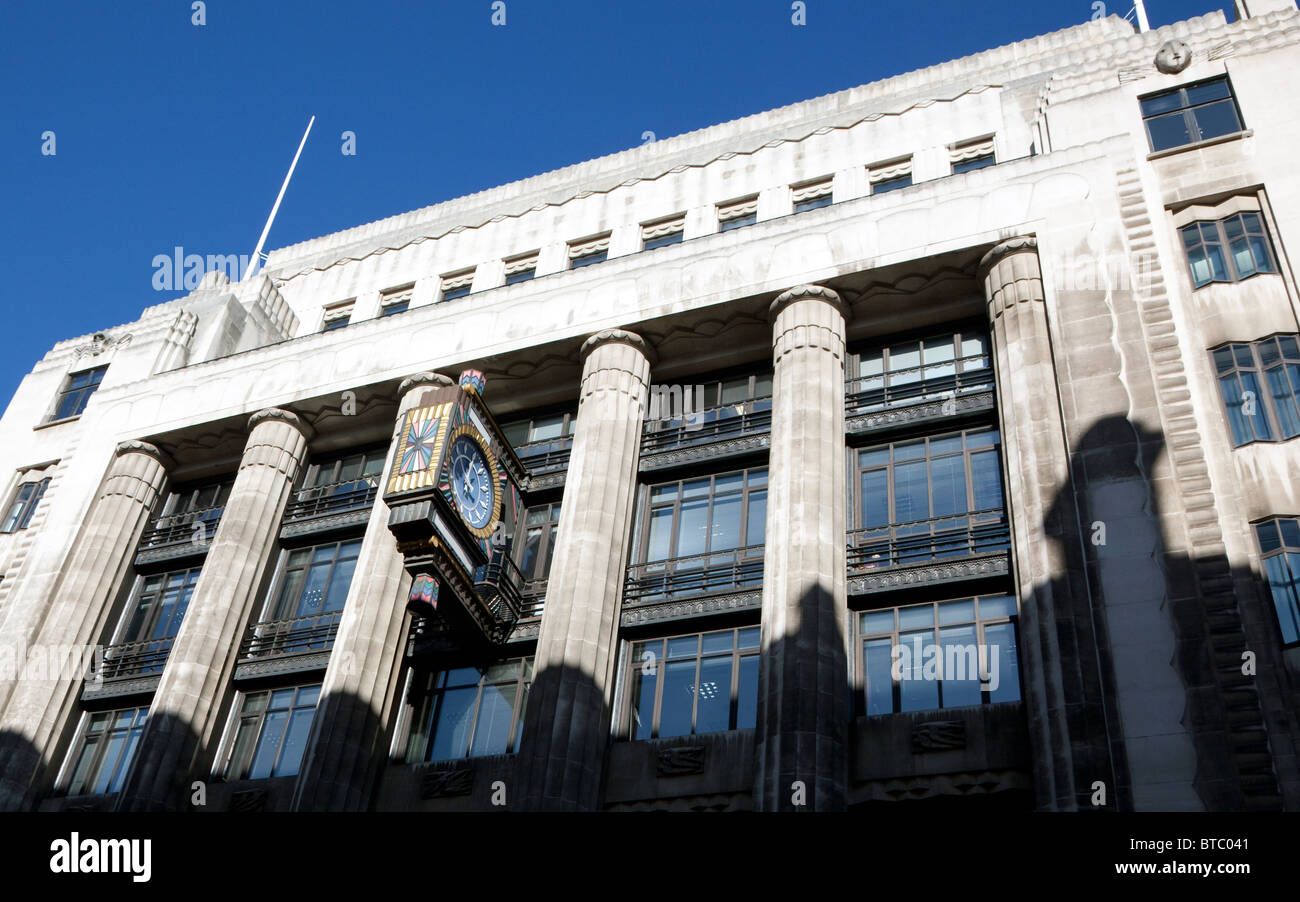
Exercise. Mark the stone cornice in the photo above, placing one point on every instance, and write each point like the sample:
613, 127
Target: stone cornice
808, 292
285, 416
134, 446
1005, 248
617, 336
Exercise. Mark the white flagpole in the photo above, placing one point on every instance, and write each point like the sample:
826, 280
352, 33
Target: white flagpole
257, 252
1143, 24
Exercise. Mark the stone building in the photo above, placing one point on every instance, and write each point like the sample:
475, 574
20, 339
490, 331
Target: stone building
930, 442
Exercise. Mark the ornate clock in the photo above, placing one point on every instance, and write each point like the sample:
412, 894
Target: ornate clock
454, 498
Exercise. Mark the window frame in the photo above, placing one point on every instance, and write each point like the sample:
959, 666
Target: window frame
19, 513
427, 691
729, 220
277, 607
239, 757
129, 630
1267, 417
1287, 550
338, 315
1187, 109
81, 393
1223, 243
68, 783
634, 669
644, 520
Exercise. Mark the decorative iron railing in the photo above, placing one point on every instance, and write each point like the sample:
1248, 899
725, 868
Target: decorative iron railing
191, 527
135, 659
499, 584
296, 636
532, 598
335, 498
920, 541
547, 455
707, 426
900, 388
697, 574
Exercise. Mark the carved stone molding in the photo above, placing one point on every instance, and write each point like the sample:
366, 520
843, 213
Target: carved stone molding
808, 292
423, 380
443, 784
1173, 57
938, 736
137, 447
248, 800
680, 761
917, 413
248, 670
119, 688
100, 343
618, 336
279, 413
862, 583
706, 451
653, 611
1003, 249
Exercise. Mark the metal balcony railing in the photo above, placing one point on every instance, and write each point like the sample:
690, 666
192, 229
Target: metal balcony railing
707, 426
296, 636
499, 584
135, 659
335, 498
191, 527
900, 388
532, 598
920, 541
547, 455
697, 574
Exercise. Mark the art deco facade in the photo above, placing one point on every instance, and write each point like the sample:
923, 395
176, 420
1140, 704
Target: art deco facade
983, 493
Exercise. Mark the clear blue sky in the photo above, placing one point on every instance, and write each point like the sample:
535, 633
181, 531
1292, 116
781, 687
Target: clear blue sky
173, 134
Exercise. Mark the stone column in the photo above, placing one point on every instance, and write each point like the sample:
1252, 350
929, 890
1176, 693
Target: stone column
566, 724
803, 689
345, 751
37, 710
183, 719
1040, 504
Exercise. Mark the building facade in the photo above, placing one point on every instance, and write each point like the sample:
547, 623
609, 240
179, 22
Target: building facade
931, 442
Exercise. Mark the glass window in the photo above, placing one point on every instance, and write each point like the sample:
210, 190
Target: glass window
588, 259
468, 712
1279, 543
316, 580
537, 547
1260, 386
902, 181
973, 163
350, 472
24, 505
911, 372
738, 214
707, 514
945, 654
159, 605
104, 750
76, 393
1229, 250
272, 732
699, 683
1189, 114
522, 275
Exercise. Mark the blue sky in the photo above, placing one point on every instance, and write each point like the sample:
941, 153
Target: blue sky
170, 134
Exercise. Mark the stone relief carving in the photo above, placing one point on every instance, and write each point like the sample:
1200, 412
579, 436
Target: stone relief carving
1173, 57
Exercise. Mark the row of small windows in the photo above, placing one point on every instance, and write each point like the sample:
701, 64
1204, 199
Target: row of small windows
735, 214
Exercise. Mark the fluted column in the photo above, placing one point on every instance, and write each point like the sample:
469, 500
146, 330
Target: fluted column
1039, 500
183, 717
37, 710
566, 724
345, 750
803, 691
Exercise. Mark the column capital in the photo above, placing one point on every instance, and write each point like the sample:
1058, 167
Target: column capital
808, 293
135, 446
284, 416
617, 336
423, 380
1006, 248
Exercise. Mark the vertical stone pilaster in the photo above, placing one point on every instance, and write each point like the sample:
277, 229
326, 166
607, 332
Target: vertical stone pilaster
1043, 515
344, 751
36, 710
183, 717
803, 691
566, 724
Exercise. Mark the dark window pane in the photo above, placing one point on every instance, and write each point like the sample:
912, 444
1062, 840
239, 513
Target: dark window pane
1002, 664
1169, 131
714, 691
679, 695
747, 693
1217, 119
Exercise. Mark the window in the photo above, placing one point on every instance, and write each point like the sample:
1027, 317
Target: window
1244, 237
705, 515
664, 233
812, 196
103, 751
521, 269
540, 431
395, 300
888, 176
76, 393
738, 214
457, 285
538, 541
700, 683
337, 316
945, 654
585, 253
465, 712
271, 733
316, 580
349, 473
926, 498
159, 605
910, 372
971, 156
1258, 414
1192, 113
722, 398
1279, 543
189, 515
24, 505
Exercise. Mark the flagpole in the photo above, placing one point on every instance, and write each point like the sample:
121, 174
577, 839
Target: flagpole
257, 252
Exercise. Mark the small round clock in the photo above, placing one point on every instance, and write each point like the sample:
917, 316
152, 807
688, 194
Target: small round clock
473, 481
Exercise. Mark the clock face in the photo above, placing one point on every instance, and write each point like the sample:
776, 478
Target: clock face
473, 484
